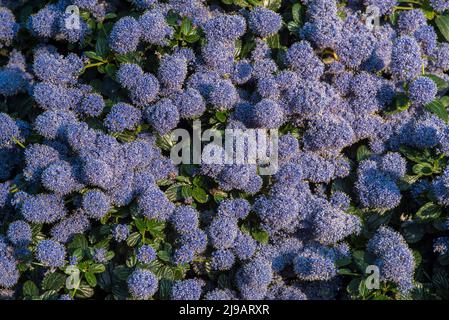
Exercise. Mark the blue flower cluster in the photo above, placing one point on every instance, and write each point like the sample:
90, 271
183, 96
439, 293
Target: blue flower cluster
394, 258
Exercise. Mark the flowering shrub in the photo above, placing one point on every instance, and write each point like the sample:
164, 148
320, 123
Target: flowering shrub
92, 205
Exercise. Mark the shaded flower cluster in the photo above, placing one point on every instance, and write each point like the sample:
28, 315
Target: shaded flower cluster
87, 180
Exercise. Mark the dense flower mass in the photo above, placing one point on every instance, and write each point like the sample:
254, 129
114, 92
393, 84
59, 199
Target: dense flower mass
96, 112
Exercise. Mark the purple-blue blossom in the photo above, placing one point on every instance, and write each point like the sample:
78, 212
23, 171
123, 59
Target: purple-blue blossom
142, 284
125, 35
51, 253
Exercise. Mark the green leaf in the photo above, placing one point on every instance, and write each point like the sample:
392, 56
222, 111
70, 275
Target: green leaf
156, 228
393, 18
221, 116
437, 107
22, 267
342, 15
363, 153
30, 289
174, 192
444, 259
274, 41
110, 15
49, 295
428, 10
91, 279
445, 101
127, 58
353, 287
260, 235
363, 290
172, 18
110, 70
224, 281
220, 196
274, 5
54, 281
186, 192
165, 286
418, 257
78, 253
84, 291
374, 220
247, 47
122, 272
429, 211
140, 224
110, 255
105, 281
441, 83
406, 182
412, 231
442, 23
440, 224
200, 195
192, 38
199, 181
413, 154
293, 26
359, 260
101, 69
183, 179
